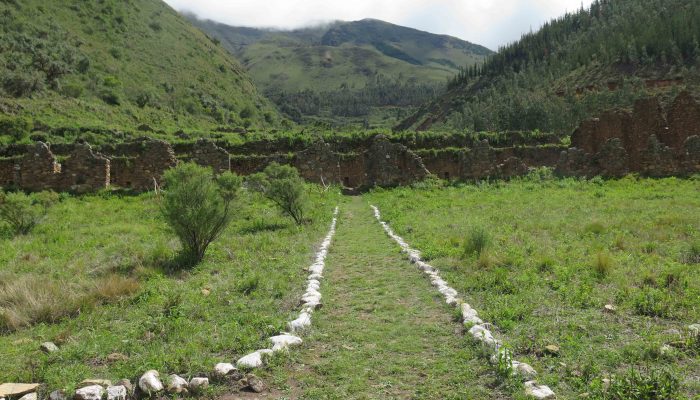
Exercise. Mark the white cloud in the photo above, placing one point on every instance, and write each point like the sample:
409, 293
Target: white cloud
488, 22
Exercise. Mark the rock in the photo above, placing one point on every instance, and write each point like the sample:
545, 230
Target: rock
253, 360
117, 392
176, 384
552, 350
17, 389
114, 357
666, 349
150, 383
609, 308
57, 395
674, 332
127, 384
206, 292
29, 396
300, 323
532, 389
255, 384
95, 382
284, 341
49, 347
223, 369
694, 329
199, 384
92, 392
523, 370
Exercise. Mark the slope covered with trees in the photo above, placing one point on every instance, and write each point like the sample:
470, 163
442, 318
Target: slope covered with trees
347, 71
574, 66
118, 65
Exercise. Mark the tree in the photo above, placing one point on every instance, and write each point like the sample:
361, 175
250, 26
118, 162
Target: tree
198, 207
283, 185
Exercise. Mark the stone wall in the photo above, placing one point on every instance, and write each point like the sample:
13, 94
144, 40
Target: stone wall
648, 140
8, 173
142, 165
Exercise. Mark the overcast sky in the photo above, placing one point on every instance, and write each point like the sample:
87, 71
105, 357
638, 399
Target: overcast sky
487, 22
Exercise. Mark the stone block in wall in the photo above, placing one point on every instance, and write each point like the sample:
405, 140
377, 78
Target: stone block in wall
612, 160
38, 169
84, 171
512, 167
658, 159
206, 153
691, 155
391, 164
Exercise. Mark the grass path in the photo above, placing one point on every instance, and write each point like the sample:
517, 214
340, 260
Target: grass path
383, 332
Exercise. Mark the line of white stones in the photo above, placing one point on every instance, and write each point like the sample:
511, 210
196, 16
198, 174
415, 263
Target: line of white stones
310, 300
150, 382
478, 329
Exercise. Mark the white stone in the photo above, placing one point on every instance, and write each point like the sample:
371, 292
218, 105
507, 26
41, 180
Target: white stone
282, 342
117, 392
94, 392
223, 369
199, 384
538, 391
29, 396
176, 384
56, 395
150, 383
523, 370
694, 329
49, 347
302, 322
253, 360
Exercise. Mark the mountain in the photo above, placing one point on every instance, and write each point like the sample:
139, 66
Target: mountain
603, 57
346, 68
119, 64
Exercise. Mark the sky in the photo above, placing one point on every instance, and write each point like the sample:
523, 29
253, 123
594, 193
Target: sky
491, 23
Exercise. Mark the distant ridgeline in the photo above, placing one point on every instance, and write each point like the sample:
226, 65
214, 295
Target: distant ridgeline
649, 140
573, 68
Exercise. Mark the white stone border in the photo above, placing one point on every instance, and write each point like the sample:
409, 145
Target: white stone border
478, 329
310, 300
150, 382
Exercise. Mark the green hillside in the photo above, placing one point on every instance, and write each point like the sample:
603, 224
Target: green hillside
346, 69
573, 67
119, 65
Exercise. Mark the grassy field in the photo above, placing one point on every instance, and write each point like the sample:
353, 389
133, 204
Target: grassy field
95, 278
557, 252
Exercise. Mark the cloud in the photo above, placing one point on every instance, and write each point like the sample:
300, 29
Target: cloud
488, 22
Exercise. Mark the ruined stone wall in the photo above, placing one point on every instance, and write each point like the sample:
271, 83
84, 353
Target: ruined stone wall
143, 167
208, 154
8, 172
84, 171
647, 140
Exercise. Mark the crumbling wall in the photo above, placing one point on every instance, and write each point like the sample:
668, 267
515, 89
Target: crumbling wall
319, 164
39, 169
206, 153
84, 171
8, 172
144, 166
391, 164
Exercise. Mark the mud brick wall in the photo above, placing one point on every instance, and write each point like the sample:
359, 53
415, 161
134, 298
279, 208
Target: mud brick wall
8, 171
84, 171
143, 166
648, 140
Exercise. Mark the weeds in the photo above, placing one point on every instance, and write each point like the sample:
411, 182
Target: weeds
692, 254
477, 241
602, 265
655, 385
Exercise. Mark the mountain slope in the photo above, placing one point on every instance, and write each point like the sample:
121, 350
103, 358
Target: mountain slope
573, 67
119, 64
328, 60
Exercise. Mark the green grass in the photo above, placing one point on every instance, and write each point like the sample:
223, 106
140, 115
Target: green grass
554, 265
99, 265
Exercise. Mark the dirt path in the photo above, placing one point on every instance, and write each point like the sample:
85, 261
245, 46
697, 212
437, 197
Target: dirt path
383, 332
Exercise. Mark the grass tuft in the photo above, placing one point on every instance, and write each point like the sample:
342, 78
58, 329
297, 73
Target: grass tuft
595, 228
603, 264
477, 241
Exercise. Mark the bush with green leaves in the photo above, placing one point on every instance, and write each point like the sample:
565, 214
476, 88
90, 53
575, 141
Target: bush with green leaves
283, 185
21, 212
477, 241
18, 128
198, 206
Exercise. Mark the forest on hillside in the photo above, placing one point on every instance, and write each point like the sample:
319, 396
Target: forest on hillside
574, 66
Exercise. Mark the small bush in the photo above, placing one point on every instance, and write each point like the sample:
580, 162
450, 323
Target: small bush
22, 84
692, 254
198, 207
283, 185
17, 128
595, 228
20, 212
477, 241
72, 90
651, 302
656, 385
110, 97
603, 264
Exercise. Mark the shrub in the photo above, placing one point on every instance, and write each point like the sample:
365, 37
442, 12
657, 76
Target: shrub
595, 228
110, 97
19, 212
636, 386
17, 128
692, 254
283, 185
198, 207
650, 302
72, 90
22, 84
477, 241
